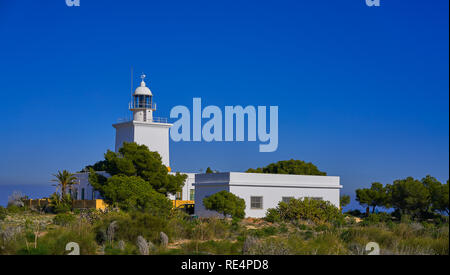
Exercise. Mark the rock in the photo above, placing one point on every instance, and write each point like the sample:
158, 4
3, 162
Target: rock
111, 230
164, 239
121, 245
142, 245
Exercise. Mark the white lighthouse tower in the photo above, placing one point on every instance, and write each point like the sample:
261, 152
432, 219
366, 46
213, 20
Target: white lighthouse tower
143, 128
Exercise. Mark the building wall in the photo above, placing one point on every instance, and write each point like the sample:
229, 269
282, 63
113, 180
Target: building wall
188, 186
83, 183
273, 195
155, 136
271, 187
124, 133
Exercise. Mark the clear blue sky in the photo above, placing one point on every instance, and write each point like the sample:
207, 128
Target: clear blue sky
363, 92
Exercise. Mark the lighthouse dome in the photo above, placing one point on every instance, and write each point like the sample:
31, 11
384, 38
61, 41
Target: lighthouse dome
143, 89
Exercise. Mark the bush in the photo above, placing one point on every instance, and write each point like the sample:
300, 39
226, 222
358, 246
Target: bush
377, 218
14, 209
272, 215
317, 211
63, 219
226, 203
130, 226
3, 213
134, 193
55, 241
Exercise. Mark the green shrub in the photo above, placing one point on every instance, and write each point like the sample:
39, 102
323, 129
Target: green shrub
64, 219
226, 203
377, 218
3, 213
317, 211
130, 226
263, 232
272, 215
14, 209
55, 241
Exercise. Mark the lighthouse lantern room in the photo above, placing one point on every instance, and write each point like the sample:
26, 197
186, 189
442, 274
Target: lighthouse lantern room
143, 128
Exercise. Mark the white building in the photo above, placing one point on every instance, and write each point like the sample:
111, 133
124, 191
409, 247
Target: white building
83, 190
263, 191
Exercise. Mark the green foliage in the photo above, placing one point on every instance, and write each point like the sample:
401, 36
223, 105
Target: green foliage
377, 218
410, 196
295, 167
54, 242
131, 225
317, 211
60, 203
438, 194
64, 219
133, 193
64, 180
209, 170
226, 203
3, 213
272, 215
376, 195
344, 201
263, 232
135, 160
14, 209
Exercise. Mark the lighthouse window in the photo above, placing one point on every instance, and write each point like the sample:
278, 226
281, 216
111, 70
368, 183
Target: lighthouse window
178, 195
192, 194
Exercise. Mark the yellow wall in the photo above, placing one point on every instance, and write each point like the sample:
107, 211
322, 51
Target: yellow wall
177, 203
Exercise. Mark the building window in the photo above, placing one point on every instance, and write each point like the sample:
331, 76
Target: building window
93, 195
256, 202
82, 193
286, 199
179, 195
192, 194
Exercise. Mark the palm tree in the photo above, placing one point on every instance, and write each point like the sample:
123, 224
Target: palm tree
64, 179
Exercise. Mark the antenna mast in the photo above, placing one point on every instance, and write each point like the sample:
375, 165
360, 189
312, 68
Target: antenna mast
131, 83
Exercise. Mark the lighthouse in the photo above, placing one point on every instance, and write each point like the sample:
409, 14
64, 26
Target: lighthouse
143, 128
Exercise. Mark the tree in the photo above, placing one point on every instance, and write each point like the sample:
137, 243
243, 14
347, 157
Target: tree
441, 203
226, 203
64, 180
131, 193
438, 194
345, 200
409, 196
209, 170
16, 199
376, 195
137, 160
294, 167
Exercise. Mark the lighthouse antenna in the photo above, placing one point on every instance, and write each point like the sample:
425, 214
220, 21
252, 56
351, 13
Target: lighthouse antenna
131, 87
